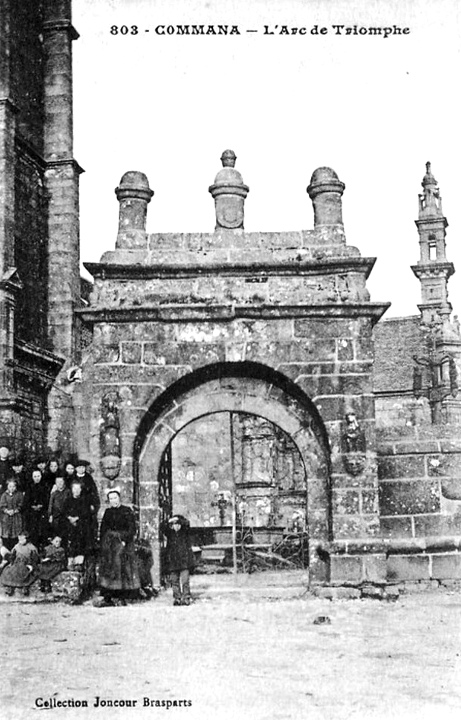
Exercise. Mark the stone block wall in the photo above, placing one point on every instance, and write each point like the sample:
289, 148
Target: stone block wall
31, 250
293, 304
24, 89
419, 470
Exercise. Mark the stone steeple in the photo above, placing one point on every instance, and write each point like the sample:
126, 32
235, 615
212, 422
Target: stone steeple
433, 269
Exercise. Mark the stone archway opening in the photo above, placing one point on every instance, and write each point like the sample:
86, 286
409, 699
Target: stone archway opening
241, 482
238, 389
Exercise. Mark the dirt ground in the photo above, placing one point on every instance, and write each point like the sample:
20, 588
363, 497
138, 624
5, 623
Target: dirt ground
235, 657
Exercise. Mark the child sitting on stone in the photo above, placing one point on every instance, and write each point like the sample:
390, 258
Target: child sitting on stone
22, 569
53, 562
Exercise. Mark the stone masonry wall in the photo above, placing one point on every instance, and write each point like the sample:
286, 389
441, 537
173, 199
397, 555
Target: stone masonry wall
154, 324
27, 369
419, 471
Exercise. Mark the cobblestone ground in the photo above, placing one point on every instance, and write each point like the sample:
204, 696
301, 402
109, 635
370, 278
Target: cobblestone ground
236, 657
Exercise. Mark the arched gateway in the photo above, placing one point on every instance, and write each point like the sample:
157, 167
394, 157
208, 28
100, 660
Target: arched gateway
274, 329
248, 388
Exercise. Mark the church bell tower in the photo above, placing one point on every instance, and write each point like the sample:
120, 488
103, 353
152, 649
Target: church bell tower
433, 269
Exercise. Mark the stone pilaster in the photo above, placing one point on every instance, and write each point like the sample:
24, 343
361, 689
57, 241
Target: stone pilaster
61, 177
7, 288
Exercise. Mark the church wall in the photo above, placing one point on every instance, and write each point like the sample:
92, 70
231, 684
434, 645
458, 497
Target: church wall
27, 369
39, 253
31, 250
419, 471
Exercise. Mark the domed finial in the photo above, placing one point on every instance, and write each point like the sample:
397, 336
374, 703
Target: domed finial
229, 193
228, 158
133, 194
325, 191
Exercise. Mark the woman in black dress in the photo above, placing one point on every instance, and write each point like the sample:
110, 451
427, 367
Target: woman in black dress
118, 567
35, 509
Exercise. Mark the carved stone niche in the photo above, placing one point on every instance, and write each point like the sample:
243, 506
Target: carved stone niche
353, 446
109, 438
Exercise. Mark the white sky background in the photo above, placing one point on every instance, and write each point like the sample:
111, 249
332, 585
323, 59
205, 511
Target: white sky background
373, 109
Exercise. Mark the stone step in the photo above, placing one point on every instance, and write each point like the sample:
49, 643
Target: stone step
67, 586
281, 584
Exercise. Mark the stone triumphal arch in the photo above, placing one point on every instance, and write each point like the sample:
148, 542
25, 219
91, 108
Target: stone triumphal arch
270, 331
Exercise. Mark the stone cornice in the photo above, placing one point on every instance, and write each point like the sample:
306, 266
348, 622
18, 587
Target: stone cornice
58, 25
434, 268
330, 266
40, 364
223, 313
431, 220
27, 149
62, 162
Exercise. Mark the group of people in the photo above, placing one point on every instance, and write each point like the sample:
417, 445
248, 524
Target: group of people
48, 501
49, 523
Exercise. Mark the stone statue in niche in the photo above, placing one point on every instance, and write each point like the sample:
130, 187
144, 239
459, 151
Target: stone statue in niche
110, 436
353, 445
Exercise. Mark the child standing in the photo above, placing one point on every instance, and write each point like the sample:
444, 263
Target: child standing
180, 557
56, 508
22, 570
78, 530
10, 514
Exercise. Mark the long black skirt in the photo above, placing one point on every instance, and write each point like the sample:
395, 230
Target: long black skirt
118, 564
18, 574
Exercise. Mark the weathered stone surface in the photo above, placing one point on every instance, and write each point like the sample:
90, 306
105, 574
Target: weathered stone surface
408, 497
400, 467
323, 328
370, 501
446, 566
374, 568
346, 502
336, 593
391, 593
346, 569
444, 465
414, 567
451, 488
437, 525
131, 353
372, 592
67, 586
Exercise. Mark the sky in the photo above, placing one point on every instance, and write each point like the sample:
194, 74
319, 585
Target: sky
374, 109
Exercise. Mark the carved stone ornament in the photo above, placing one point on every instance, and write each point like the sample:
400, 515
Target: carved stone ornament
230, 214
353, 446
354, 463
109, 438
